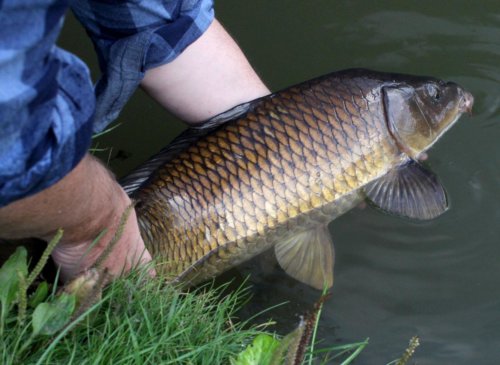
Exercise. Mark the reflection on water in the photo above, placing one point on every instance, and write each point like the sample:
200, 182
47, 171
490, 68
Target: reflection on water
394, 278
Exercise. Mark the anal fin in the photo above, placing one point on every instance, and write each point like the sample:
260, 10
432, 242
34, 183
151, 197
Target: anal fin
308, 257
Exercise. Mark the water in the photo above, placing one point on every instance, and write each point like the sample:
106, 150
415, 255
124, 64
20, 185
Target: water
393, 278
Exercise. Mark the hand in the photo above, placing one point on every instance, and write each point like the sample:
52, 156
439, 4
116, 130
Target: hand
84, 203
128, 252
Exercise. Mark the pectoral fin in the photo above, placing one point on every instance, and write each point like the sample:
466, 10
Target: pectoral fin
409, 190
308, 257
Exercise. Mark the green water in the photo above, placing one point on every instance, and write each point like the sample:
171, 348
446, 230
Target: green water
393, 278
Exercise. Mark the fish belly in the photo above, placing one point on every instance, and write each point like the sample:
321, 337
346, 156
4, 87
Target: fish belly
235, 252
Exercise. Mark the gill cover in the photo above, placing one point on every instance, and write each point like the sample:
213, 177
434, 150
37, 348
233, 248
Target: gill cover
400, 105
420, 111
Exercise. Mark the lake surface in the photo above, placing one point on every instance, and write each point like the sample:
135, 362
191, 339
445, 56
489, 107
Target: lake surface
393, 278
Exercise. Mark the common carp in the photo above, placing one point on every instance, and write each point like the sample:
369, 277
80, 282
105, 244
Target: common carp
276, 170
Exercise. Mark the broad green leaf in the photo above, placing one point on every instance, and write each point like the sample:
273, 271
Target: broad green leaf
9, 279
259, 352
48, 318
39, 295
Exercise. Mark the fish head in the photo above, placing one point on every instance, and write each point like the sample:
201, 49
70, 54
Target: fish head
419, 110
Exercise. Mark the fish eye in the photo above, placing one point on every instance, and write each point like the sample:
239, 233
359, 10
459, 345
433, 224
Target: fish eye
433, 92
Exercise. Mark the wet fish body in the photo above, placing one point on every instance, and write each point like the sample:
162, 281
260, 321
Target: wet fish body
275, 171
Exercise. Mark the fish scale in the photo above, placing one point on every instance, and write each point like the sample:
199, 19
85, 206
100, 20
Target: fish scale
296, 159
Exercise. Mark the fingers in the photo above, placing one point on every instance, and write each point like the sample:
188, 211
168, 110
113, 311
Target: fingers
116, 256
129, 251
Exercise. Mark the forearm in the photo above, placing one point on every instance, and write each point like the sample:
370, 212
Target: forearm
84, 203
65, 204
209, 77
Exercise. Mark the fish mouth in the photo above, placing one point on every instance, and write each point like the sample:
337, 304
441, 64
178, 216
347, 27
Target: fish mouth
466, 102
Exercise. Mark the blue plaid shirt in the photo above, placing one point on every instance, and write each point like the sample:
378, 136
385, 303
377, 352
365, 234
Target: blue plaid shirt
48, 106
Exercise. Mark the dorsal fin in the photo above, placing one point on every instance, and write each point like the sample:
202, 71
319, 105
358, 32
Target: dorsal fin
141, 174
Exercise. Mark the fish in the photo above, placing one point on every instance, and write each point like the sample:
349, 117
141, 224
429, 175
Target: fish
275, 171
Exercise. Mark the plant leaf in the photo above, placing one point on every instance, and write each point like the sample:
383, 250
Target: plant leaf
9, 278
39, 295
48, 318
259, 352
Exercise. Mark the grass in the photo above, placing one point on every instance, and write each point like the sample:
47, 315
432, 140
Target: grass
154, 324
137, 320
141, 320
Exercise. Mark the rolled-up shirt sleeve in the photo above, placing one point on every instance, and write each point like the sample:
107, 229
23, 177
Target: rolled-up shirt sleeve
46, 100
48, 105
133, 36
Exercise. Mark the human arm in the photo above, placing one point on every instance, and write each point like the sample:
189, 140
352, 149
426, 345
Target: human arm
47, 181
209, 77
88, 199
86, 202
